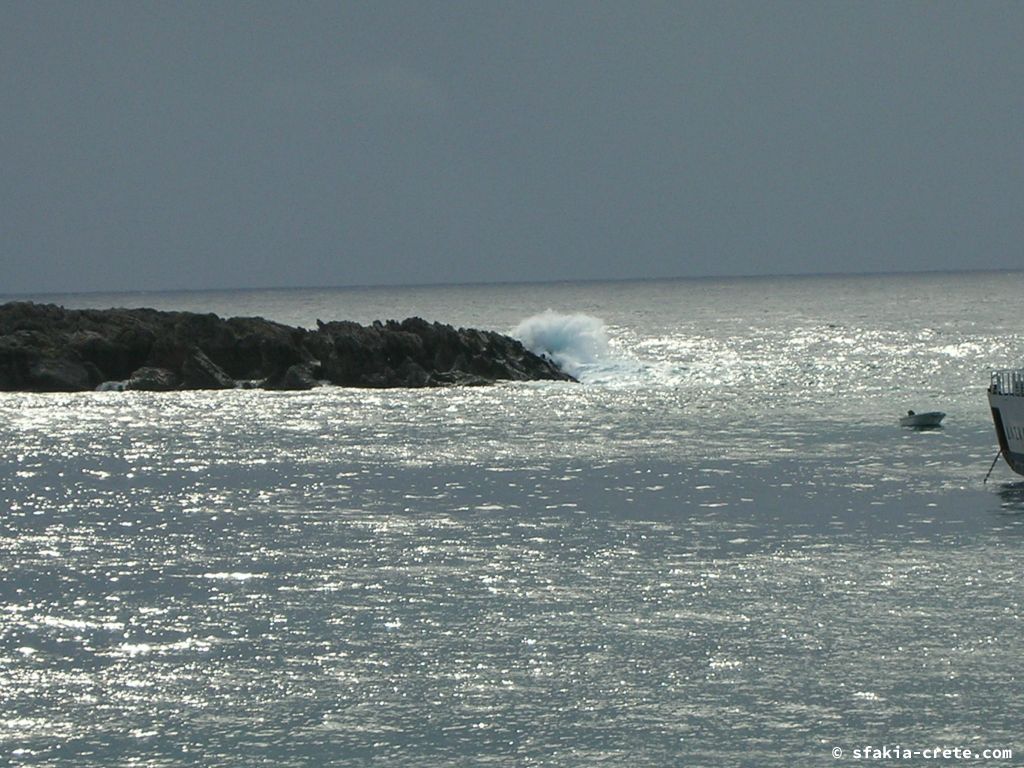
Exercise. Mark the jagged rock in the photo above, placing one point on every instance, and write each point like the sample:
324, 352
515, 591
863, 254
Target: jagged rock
411, 374
46, 347
200, 372
59, 375
457, 379
152, 380
300, 376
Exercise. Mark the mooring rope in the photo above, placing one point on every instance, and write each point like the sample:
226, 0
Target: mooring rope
992, 467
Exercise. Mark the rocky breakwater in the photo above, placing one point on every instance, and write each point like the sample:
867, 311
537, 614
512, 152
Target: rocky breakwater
46, 348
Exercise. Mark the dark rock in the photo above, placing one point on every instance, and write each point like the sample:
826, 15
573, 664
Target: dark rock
59, 375
47, 348
412, 374
152, 380
15, 357
200, 372
299, 376
458, 379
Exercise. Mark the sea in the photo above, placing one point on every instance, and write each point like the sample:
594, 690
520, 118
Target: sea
720, 548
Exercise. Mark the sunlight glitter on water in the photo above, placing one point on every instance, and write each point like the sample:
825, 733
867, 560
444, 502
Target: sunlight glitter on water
731, 555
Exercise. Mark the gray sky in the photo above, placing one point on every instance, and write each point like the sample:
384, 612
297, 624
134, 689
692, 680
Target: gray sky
202, 145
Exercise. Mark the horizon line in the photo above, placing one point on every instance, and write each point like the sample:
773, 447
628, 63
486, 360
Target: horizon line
483, 283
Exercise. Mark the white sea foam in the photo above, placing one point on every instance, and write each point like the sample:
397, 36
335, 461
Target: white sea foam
581, 346
577, 342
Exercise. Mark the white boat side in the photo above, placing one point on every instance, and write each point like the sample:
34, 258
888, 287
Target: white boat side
930, 419
1006, 399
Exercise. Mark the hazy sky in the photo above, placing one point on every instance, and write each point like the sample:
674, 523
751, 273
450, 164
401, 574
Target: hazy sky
231, 144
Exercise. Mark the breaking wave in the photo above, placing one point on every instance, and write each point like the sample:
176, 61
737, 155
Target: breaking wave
576, 342
580, 345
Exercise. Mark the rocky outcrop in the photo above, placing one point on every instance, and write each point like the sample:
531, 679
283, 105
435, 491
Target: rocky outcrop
46, 348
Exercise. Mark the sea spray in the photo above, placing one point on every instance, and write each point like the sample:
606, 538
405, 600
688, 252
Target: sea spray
580, 345
576, 342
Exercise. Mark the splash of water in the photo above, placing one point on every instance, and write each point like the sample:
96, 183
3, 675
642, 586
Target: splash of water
576, 342
580, 345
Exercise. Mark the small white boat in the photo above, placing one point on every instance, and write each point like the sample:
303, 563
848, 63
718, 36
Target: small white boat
930, 419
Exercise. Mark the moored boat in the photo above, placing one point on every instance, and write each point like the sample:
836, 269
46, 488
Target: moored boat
930, 419
1006, 399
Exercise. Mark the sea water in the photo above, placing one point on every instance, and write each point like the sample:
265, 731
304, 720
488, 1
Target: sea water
719, 548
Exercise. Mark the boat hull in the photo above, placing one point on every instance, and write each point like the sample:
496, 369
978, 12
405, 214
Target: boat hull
932, 419
1008, 417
